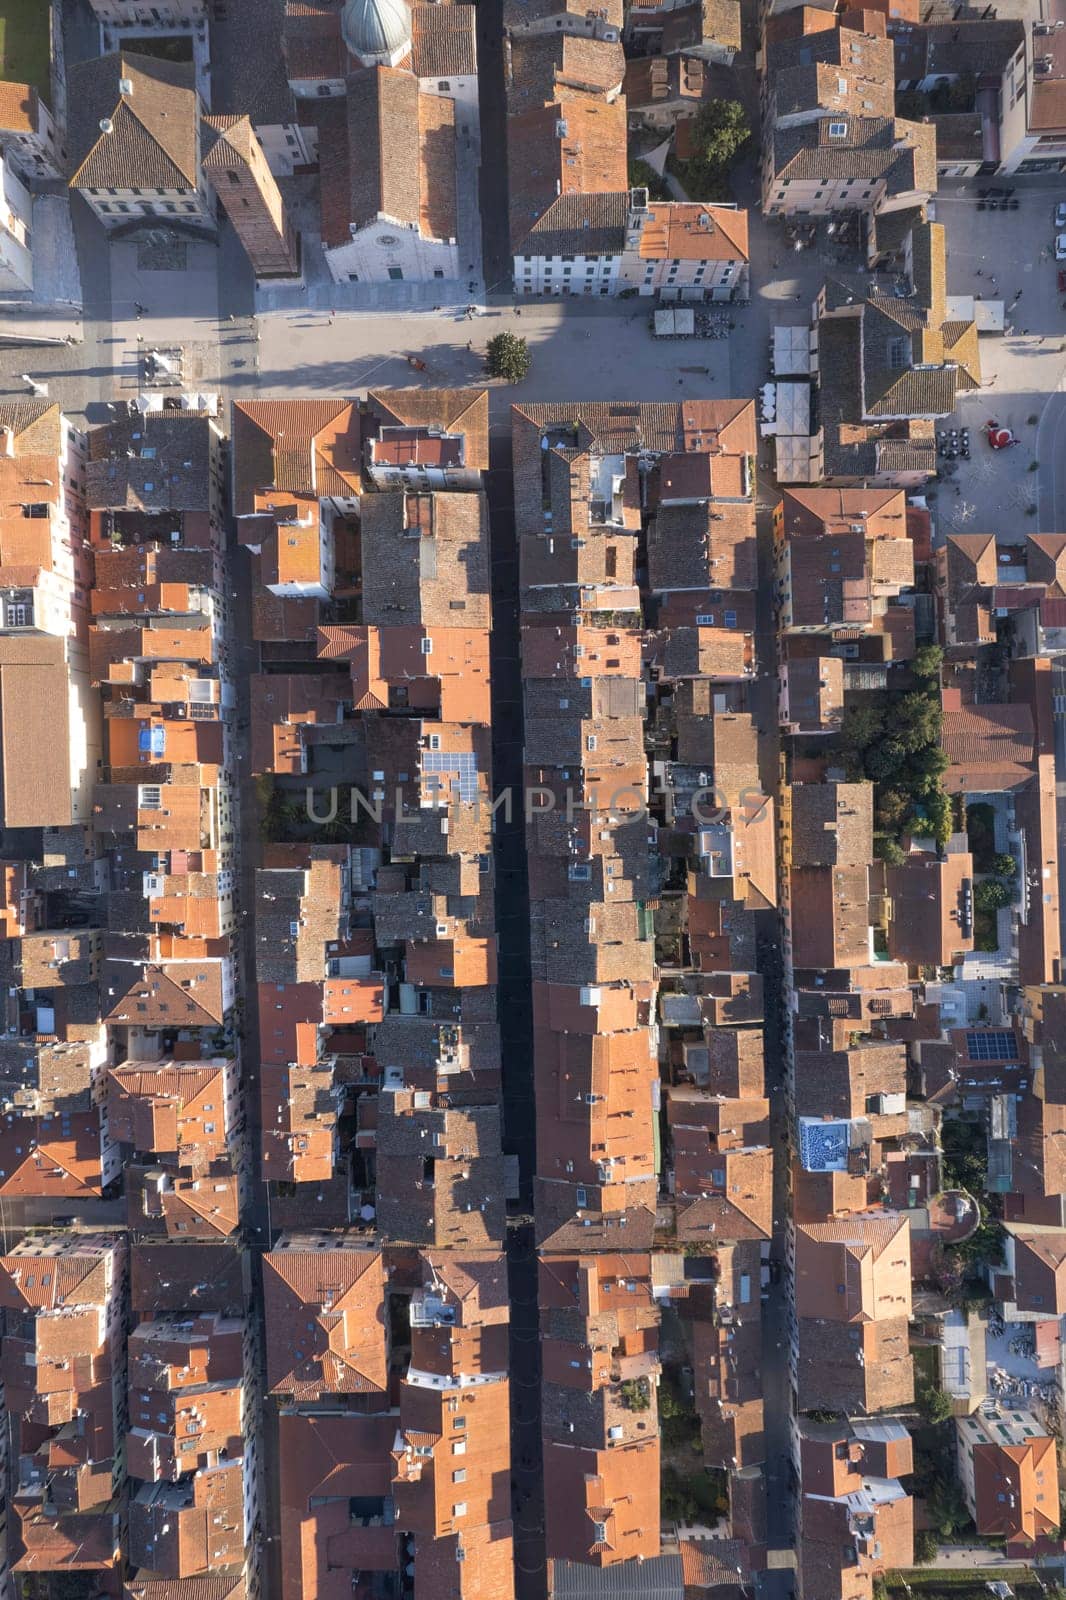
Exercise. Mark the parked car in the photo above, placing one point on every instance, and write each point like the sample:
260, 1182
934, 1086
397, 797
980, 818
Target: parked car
1060, 215
1060, 247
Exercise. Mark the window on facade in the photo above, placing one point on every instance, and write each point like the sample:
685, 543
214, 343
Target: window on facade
234, 177
395, 272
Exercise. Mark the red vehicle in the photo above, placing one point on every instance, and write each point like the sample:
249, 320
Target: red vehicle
999, 438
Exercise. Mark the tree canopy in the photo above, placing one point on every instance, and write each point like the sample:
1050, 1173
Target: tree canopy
508, 357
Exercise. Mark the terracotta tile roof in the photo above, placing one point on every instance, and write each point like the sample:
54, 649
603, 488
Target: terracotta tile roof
855, 1269
686, 232
443, 41
1016, 1488
438, 204
518, 14
53, 1157
200, 1208
384, 111
302, 447
929, 907
578, 224
77, 1276
401, 586
1047, 112
35, 694
667, 83
853, 1367
326, 1461
558, 150
1046, 563
172, 994
807, 512
155, 463
325, 1313
990, 747
601, 1506
832, 824
154, 132
452, 411
20, 108
544, 68
312, 43
206, 1587
1040, 1270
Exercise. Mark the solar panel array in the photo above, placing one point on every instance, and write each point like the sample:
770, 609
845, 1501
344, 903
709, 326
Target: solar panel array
991, 1046
459, 768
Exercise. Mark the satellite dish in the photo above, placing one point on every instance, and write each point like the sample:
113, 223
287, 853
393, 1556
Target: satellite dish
106, 125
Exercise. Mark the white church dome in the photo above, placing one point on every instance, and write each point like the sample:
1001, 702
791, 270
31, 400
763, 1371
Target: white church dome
376, 30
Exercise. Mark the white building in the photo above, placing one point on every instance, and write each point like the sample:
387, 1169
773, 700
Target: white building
29, 134
16, 238
685, 251
152, 14
135, 116
390, 211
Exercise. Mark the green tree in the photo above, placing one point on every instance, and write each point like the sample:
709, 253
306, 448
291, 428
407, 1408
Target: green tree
992, 894
892, 808
508, 357
1005, 866
928, 661
721, 130
890, 851
885, 758
917, 719
934, 1404
929, 762
926, 1547
862, 726
947, 1508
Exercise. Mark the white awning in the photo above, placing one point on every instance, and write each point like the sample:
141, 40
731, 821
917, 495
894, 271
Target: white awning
792, 351
794, 408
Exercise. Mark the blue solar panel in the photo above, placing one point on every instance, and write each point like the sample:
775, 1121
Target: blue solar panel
991, 1046
458, 768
